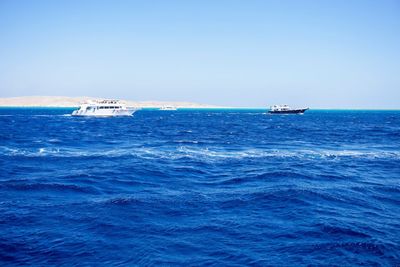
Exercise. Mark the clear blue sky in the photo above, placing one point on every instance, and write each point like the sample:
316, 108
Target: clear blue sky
324, 54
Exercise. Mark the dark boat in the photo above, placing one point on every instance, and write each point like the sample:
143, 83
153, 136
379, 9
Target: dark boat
285, 109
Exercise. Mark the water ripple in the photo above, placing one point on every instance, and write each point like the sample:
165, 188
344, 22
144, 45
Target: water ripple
200, 187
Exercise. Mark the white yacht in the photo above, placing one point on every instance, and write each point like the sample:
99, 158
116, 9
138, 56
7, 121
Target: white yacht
103, 108
285, 109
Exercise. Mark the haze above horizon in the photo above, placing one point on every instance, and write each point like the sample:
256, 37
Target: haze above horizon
322, 54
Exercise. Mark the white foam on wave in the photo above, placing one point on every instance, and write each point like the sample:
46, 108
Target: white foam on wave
202, 154
356, 153
186, 141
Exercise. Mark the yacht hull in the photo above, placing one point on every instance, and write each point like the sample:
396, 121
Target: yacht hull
97, 113
292, 111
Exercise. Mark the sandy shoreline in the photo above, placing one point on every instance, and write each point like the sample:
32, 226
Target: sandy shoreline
63, 101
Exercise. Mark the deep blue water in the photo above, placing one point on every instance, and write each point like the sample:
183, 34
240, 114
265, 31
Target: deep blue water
200, 187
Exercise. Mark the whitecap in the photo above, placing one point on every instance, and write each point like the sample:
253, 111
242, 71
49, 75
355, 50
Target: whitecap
187, 141
201, 154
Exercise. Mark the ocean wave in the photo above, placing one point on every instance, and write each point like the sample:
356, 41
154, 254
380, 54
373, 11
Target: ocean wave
36, 115
356, 247
61, 187
320, 189
48, 115
258, 153
267, 176
182, 152
186, 141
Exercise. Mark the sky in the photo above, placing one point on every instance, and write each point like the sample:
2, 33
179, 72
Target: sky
245, 53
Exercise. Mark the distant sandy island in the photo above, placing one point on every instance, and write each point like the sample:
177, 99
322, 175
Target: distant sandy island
63, 101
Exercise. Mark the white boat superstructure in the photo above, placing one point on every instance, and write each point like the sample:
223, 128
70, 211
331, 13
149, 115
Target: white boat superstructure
280, 108
103, 108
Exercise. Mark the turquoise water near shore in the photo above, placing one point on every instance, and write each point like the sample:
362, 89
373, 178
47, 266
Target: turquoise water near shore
200, 187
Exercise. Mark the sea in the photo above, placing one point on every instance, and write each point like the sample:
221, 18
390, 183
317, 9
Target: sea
200, 187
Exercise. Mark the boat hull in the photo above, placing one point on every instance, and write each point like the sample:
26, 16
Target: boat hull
292, 111
97, 113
